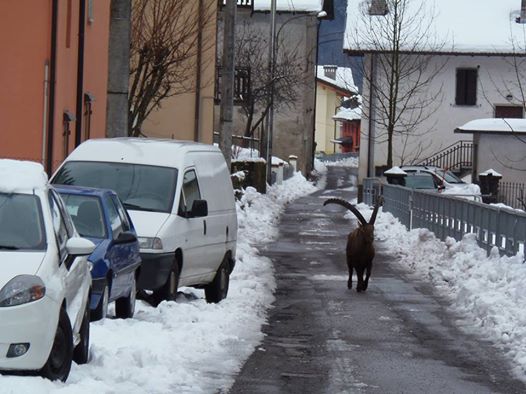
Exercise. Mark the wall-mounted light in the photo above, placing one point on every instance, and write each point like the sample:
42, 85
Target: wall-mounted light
509, 97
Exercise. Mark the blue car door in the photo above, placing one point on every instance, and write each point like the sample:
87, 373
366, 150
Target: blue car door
124, 257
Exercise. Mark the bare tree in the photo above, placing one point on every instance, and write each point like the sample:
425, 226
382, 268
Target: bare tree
163, 53
252, 53
400, 40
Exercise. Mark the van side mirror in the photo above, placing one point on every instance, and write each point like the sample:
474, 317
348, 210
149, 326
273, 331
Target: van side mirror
199, 209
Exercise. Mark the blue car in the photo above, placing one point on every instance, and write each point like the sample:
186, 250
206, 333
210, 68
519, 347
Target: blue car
99, 215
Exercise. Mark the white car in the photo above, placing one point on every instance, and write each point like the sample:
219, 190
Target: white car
44, 276
447, 181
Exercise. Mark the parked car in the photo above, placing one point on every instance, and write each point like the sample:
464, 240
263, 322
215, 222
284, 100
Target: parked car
448, 181
421, 181
44, 277
180, 197
98, 215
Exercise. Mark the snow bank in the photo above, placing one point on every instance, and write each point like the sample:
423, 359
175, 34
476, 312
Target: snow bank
487, 291
188, 346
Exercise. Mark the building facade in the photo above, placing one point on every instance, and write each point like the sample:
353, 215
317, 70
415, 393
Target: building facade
54, 77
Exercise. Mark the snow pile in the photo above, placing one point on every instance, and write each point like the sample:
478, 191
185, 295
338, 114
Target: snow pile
188, 346
487, 291
17, 175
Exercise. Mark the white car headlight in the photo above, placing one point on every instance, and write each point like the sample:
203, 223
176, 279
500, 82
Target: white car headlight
21, 290
150, 243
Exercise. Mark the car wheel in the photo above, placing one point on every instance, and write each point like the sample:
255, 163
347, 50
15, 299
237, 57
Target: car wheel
58, 364
81, 351
125, 306
218, 289
102, 308
168, 291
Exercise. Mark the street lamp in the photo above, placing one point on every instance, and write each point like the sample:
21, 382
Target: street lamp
272, 64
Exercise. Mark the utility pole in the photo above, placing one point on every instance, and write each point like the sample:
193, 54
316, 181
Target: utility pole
272, 63
227, 81
118, 69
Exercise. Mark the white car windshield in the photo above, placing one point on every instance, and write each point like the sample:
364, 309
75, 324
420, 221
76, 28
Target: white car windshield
140, 187
22, 226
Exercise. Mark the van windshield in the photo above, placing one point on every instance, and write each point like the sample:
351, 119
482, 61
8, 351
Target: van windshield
140, 187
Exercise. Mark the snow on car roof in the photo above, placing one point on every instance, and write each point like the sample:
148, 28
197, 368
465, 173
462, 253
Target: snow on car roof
18, 175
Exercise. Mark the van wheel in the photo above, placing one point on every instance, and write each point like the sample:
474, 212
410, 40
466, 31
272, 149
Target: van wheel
58, 364
168, 291
81, 351
125, 306
218, 289
102, 308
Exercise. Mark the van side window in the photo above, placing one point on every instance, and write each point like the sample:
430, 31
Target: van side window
189, 192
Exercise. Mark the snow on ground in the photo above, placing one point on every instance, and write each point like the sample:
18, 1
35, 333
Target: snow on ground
487, 291
187, 346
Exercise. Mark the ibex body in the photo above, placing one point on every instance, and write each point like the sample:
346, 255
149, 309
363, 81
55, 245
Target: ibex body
360, 248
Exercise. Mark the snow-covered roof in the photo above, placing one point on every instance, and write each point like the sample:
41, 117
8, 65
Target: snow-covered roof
16, 175
348, 114
466, 26
290, 5
494, 125
344, 78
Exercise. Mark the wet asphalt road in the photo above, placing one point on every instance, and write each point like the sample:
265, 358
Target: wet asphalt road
322, 338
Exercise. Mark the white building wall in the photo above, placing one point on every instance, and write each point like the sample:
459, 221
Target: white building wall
495, 82
505, 154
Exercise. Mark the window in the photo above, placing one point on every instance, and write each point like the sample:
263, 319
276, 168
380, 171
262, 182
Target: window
508, 111
122, 214
115, 220
140, 187
189, 193
59, 227
466, 93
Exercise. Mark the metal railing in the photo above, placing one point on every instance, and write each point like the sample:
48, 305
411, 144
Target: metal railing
449, 216
455, 157
512, 194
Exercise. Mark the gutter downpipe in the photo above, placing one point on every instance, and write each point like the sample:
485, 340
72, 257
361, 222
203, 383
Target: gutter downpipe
198, 71
52, 81
371, 136
80, 73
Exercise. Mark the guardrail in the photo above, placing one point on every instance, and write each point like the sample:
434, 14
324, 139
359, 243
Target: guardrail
449, 216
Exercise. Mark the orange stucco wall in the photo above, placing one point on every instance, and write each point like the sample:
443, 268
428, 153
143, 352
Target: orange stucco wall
25, 45
26, 49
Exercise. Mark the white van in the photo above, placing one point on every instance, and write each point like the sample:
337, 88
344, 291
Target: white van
180, 197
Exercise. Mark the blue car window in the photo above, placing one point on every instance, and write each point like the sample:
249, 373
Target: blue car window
126, 226
115, 220
86, 212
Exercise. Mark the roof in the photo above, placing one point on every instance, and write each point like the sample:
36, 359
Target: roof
348, 114
290, 5
344, 78
494, 126
17, 176
148, 151
467, 26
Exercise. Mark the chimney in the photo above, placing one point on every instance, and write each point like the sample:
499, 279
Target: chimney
330, 71
379, 7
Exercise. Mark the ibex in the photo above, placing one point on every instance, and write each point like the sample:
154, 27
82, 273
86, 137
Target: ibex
360, 249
